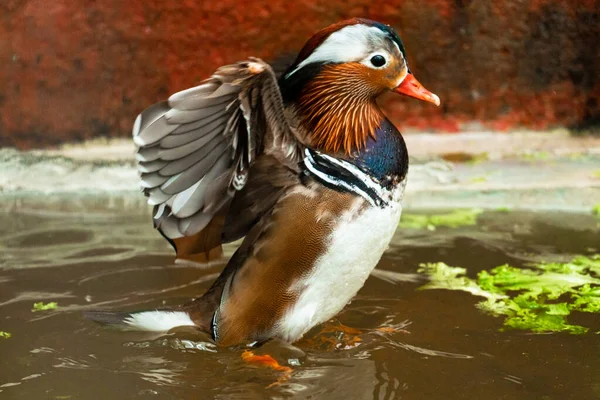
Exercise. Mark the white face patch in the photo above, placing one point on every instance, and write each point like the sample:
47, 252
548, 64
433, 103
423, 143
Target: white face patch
354, 43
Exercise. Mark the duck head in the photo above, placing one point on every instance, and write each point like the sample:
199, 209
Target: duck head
333, 84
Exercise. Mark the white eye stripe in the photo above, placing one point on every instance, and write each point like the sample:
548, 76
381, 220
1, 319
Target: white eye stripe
398, 47
349, 44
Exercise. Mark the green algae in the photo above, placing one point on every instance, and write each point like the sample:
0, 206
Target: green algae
596, 210
44, 307
537, 299
453, 219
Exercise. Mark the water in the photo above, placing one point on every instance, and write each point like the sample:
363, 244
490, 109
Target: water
86, 254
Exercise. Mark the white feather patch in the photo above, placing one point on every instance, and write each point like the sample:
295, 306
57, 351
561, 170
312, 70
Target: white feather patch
349, 44
354, 249
158, 321
136, 126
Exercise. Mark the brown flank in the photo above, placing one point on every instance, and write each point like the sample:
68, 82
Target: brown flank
284, 250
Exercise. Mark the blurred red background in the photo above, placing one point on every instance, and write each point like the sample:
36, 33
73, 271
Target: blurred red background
78, 69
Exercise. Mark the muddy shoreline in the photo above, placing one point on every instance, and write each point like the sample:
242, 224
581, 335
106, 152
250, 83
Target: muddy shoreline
524, 170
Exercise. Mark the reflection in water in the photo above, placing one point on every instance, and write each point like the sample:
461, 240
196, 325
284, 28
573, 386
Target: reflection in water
428, 352
410, 344
66, 362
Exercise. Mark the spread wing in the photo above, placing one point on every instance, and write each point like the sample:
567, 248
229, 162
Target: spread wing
195, 152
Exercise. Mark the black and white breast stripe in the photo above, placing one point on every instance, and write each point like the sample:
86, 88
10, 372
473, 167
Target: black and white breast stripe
343, 175
214, 329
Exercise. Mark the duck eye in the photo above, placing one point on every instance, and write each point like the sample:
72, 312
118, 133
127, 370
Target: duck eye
378, 60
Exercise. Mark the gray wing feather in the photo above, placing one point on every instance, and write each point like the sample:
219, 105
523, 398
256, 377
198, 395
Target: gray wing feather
192, 199
196, 149
169, 226
152, 126
188, 96
194, 133
147, 154
195, 223
198, 101
151, 166
152, 180
156, 196
185, 128
188, 177
175, 116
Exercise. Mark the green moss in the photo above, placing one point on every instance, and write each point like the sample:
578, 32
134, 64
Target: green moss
452, 219
464, 157
5, 335
537, 299
596, 210
479, 158
536, 156
415, 221
44, 307
479, 179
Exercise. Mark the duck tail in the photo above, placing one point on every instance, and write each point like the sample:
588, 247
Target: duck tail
148, 321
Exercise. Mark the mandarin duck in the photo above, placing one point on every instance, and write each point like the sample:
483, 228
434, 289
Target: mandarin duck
306, 168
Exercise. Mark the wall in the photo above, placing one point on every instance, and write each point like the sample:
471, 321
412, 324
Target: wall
78, 69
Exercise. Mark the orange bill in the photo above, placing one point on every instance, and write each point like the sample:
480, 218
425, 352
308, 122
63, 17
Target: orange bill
410, 86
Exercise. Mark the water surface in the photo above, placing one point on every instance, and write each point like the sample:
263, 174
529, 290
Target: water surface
86, 254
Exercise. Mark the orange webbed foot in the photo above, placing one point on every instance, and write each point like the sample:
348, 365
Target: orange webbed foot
265, 360
334, 335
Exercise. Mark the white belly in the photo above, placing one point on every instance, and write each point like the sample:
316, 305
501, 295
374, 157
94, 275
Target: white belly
355, 247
